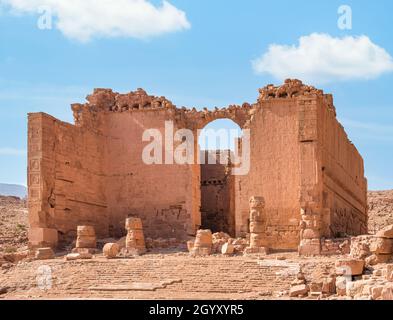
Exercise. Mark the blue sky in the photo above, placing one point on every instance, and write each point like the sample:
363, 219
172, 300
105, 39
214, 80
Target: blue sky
203, 61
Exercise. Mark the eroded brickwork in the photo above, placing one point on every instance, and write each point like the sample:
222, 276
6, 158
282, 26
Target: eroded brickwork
66, 179
217, 194
92, 173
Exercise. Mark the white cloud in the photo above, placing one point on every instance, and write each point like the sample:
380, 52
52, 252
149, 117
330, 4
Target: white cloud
12, 152
85, 19
321, 58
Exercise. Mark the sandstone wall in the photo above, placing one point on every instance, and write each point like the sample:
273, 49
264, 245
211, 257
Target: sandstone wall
344, 195
92, 173
66, 181
161, 195
216, 196
274, 173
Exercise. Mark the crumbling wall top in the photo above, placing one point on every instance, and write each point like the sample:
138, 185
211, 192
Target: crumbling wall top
294, 88
106, 100
291, 88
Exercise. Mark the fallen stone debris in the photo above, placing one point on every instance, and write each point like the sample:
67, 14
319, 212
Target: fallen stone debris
99, 225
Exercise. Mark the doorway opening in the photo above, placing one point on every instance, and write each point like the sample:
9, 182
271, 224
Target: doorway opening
216, 142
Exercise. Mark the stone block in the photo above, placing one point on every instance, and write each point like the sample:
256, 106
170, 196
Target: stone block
86, 231
358, 288
376, 292
316, 286
204, 238
133, 224
387, 293
39, 237
310, 247
130, 252
201, 251
135, 234
350, 267
386, 232
78, 256
37, 219
341, 286
310, 234
227, 249
257, 240
135, 243
44, 254
375, 259
382, 246
329, 285
299, 291
86, 243
360, 246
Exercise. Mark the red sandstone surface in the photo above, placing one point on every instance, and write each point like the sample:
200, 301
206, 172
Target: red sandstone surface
103, 224
13, 224
380, 210
91, 172
170, 273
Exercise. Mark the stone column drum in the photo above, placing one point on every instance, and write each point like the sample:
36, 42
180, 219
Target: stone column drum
310, 233
135, 240
86, 240
203, 243
258, 242
86, 237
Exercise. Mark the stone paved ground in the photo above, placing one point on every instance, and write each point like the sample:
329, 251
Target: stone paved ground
168, 274
157, 276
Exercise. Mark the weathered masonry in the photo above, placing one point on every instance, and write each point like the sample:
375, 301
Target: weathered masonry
92, 173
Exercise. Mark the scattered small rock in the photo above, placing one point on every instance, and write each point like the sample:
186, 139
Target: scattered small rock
3, 290
299, 290
44, 254
227, 249
78, 256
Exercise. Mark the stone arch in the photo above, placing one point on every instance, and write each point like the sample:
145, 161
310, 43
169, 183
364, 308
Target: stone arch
238, 114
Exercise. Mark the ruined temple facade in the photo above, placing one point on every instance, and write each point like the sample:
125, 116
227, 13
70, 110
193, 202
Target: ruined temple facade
91, 172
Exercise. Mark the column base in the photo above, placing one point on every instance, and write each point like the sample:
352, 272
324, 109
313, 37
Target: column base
310, 247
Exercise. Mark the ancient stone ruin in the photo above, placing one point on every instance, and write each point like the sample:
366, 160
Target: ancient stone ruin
302, 164
258, 242
135, 240
86, 240
106, 224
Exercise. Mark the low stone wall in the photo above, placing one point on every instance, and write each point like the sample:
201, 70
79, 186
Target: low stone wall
330, 247
374, 249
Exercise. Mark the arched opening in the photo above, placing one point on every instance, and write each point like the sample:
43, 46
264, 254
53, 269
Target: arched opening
217, 142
